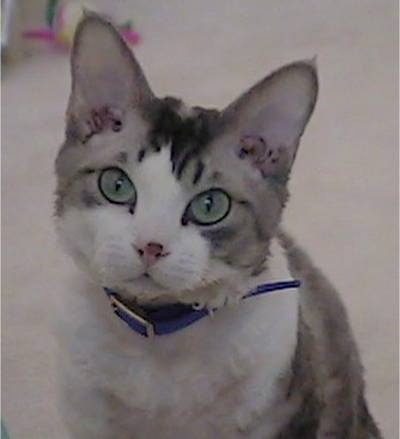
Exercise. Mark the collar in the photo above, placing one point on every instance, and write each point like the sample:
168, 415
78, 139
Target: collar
167, 319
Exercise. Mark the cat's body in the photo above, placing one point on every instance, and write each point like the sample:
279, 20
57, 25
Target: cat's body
271, 367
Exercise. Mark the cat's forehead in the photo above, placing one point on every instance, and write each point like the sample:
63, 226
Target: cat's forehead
187, 131
181, 132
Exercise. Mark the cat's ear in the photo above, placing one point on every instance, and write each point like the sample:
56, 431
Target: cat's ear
269, 119
107, 80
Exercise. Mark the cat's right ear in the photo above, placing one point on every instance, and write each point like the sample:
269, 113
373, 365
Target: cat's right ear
107, 81
268, 120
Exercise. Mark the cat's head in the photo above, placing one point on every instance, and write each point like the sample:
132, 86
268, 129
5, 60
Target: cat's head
159, 200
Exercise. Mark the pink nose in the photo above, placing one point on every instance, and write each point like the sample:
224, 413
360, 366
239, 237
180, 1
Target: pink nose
151, 252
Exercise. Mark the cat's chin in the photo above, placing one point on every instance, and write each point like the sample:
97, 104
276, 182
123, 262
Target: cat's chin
146, 291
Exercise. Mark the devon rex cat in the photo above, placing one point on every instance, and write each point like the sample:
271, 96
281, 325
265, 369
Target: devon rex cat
175, 211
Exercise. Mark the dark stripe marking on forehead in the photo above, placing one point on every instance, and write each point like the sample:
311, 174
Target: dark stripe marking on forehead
187, 136
198, 172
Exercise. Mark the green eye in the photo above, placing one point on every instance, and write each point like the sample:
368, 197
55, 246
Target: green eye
209, 207
116, 186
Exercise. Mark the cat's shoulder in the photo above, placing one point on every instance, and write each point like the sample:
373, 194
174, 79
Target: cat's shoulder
319, 299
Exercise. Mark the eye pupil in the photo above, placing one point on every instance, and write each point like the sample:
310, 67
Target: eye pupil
209, 203
118, 184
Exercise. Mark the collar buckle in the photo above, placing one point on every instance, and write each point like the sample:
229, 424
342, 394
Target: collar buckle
117, 305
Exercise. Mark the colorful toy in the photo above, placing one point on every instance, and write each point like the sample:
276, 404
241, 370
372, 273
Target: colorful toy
63, 16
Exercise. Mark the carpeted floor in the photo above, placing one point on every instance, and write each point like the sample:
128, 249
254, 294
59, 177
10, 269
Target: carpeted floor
344, 188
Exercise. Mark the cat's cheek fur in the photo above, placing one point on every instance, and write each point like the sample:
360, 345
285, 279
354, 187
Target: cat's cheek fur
93, 238
186, 265
76, 237
115, 260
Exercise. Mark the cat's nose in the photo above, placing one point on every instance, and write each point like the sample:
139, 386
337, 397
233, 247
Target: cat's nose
151, 252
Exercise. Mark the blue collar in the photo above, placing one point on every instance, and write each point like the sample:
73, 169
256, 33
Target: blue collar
166, 319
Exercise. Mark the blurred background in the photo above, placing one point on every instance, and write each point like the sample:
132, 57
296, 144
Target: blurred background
344, 206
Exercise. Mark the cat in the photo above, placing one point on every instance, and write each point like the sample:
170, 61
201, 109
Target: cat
163, 205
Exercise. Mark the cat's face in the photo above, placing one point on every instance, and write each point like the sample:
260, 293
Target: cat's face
158, 200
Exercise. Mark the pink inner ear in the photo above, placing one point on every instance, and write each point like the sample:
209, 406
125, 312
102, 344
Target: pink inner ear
102, 119
268, 159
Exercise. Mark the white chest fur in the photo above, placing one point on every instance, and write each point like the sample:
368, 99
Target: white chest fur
213, 379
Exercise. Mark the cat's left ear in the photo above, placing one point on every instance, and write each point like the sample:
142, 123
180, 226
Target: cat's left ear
269, 119
107, 80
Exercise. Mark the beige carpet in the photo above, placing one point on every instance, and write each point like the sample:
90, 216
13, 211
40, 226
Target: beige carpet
344, 204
